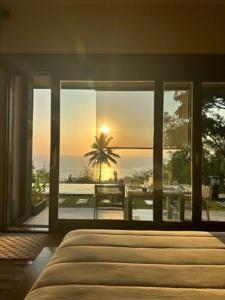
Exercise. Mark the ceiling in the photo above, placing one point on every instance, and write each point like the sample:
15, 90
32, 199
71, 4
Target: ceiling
5, 3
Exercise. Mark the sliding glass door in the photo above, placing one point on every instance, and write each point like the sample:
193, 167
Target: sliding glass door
177, 154
213, 151
29, 115
103, 136
112, 134
115, 154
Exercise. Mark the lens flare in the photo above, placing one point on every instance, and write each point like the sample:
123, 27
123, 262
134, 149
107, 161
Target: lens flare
104, 129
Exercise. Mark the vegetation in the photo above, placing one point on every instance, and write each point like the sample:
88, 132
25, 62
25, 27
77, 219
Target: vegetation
178, 167
40, 181
177, 137
84, 176
138, 177
213, 118
101, 154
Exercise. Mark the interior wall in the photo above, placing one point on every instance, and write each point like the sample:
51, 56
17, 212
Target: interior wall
17, 135
106, 28
2, 143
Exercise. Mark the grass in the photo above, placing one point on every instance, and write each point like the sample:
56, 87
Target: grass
137, 203
215, 205
71, 201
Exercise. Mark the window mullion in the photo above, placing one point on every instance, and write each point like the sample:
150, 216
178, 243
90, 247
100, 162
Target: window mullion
157, 152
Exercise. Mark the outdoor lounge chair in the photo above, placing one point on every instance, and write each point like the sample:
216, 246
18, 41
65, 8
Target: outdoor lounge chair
109, 197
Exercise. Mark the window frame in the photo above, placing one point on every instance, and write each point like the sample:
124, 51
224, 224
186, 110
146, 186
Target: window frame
158, 68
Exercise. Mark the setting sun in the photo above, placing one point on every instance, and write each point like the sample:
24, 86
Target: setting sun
104, 129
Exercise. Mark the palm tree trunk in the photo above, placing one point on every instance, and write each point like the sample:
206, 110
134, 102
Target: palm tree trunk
100, 172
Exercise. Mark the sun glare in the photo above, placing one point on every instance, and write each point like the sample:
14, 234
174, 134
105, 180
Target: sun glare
107, 172
104, 129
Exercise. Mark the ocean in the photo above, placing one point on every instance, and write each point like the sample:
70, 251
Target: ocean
74, 165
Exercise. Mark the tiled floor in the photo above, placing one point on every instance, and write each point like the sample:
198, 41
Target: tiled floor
88, 213
74, 213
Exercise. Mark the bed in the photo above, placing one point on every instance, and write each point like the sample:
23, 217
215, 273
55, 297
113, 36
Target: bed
114, 265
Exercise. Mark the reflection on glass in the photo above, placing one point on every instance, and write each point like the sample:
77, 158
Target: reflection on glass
127, 115
94, 126
177, 188
135, 168
77, 132
213, 141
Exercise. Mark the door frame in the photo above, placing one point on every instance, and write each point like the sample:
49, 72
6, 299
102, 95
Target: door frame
194, 68
56, 224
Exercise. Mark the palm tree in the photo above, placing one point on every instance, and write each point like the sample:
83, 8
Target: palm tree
101, 154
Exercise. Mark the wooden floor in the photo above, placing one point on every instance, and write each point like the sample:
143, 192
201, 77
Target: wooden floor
17, 276
11, 273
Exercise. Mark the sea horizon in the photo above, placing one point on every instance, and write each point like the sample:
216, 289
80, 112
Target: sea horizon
74, 164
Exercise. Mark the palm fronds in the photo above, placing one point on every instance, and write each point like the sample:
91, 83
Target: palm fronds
101, 154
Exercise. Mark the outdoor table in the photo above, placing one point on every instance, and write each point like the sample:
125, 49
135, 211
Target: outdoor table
169, 196
135, 194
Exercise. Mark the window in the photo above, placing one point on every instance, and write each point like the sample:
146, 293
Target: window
177, 186
122, 115
213, 156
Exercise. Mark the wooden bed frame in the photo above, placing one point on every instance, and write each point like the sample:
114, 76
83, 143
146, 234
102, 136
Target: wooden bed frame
31, 274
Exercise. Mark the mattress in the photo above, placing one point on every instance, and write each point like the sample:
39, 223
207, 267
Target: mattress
122, 265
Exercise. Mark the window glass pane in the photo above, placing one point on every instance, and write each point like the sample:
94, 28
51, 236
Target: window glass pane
177, 189
29, 152
100, 119
135, 168
127, 114
40, 158
77, 132
213, 142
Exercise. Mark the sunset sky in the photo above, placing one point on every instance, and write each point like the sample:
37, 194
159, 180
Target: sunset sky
128, 114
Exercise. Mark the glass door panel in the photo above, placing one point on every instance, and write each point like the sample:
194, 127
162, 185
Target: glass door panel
106, 138
213, 145
40, 157
29, 151
77, 132
177, 188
